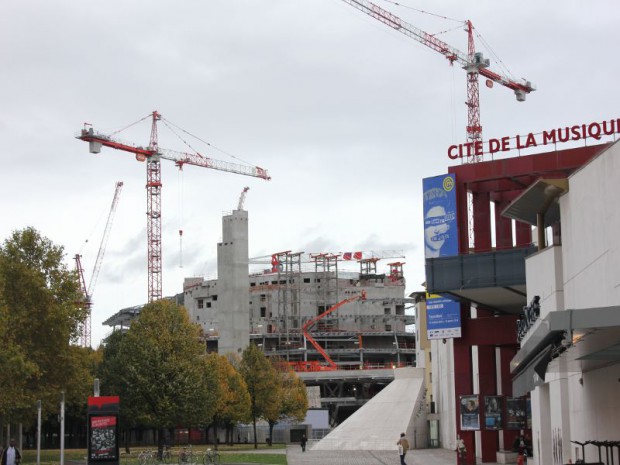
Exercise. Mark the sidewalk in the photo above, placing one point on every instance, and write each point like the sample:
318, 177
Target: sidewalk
295, 456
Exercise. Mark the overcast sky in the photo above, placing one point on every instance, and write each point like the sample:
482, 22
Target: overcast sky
346, 114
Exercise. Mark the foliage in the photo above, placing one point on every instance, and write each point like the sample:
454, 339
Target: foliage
233, 404
294, 403
159, 369
263, 387
39, 319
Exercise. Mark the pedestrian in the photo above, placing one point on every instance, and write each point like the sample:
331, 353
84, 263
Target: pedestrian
11, 455
303, 442
403, 447
461, 451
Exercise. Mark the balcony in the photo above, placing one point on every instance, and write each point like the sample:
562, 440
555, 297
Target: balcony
495, 280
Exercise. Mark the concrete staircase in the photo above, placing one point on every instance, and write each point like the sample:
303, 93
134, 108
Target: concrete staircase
377, 425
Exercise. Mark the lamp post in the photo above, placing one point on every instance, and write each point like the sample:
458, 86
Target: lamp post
38, 432
62, 427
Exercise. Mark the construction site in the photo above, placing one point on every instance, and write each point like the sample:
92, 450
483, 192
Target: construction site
307, 310
343, 321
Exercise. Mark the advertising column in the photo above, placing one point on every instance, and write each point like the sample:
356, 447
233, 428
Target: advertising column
103, 430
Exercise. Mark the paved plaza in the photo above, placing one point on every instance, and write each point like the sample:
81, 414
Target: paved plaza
346, 457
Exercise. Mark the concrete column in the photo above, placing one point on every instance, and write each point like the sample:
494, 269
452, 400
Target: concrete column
463, 384
541, 426
503, 228
482, 221
523, 233
560, 421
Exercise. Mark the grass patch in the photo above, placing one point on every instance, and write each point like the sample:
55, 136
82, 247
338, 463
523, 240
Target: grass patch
239, 453
239, 457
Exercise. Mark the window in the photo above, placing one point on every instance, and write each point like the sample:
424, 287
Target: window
387, 311
214, 297
388, 327
307, 280
208, 304
200, 303
263, 312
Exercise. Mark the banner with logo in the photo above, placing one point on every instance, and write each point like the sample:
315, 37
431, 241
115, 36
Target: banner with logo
440, 225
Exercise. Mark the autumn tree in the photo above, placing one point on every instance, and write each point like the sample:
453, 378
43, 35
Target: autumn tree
293, 403
39, 319
161, 370
263, 387
233, 404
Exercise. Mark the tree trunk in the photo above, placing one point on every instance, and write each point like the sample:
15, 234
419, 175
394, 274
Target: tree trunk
126, 438
161, 437
271, 425
254, 423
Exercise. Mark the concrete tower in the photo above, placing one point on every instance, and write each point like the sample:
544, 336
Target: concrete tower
233, 284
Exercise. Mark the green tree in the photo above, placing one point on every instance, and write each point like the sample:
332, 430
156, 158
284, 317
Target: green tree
161, 369
40, 318
263, 387
293, 403
111, 373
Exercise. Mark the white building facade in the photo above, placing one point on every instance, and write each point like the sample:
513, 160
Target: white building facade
569, 359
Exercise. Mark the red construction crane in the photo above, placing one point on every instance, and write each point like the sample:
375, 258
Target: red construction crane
87, 291
472, 62
331, 365
152, 154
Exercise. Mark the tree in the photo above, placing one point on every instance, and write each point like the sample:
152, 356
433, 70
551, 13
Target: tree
13, 361
263, 386
111, 372
162, 370
294, 398
40, 318
233, 405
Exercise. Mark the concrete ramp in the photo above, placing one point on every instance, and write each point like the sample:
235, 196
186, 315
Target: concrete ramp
378, 423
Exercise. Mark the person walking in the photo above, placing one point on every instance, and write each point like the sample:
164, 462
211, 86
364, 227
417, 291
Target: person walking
11, 455
403, 447
303, 442
461, 451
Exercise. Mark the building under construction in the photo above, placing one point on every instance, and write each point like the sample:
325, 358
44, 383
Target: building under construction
335, 327
306, 309
303, 308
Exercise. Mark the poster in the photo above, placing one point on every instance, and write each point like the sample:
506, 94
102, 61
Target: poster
470, 413
493, 412
443, 317
440, 226
103, 437
515, 413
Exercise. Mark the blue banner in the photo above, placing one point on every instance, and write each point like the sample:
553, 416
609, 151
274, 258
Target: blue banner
440, 226
443, 317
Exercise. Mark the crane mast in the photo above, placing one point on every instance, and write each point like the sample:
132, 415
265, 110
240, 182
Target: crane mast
153, 155
472, 62
104, 239
87, 290
242, 198
85, 303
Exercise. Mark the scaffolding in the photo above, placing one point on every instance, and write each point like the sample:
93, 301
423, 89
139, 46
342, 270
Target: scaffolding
289, 302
